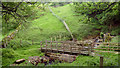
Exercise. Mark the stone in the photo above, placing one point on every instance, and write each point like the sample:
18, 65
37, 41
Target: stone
19, 61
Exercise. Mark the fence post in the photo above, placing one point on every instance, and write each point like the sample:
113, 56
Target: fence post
51, 38
51, 43
101, 61
92, 47
79, 50
57, 46
88, 49
60, 37
63, 47
55, 38
71, 46
41, 44
46, 47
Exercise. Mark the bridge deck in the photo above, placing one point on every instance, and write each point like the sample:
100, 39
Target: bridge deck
64, 51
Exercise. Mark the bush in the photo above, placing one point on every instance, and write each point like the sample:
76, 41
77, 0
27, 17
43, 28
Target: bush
8, 53
15, 44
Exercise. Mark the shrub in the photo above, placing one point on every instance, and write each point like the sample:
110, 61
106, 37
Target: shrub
8, 53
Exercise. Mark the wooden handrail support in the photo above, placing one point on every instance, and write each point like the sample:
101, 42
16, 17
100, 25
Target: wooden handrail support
41, 44
101, 61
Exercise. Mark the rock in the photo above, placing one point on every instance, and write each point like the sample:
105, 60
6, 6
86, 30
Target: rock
60, 57
19, 61
67, 58
45, 60
34, 60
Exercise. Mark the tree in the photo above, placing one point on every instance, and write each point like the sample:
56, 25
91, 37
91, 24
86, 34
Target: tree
15, 13
101, 13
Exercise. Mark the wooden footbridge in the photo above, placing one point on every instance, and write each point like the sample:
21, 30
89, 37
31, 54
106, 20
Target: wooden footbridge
72, 47
68, 47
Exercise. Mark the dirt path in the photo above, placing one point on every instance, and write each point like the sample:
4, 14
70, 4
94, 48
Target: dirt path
66, 26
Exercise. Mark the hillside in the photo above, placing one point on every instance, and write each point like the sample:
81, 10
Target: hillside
45, 25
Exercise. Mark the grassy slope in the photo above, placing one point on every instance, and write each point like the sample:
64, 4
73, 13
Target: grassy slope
49, 25
42, 28
78, 28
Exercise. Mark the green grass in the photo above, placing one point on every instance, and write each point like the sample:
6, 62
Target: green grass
10, 55
42, 28
75, 23
110, 59
47, 26
81, 60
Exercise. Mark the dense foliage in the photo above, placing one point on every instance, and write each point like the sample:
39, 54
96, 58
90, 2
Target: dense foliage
16, 13
105, 14
45, 26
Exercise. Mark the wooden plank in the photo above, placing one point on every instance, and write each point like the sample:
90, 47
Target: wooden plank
106, 49
109, 43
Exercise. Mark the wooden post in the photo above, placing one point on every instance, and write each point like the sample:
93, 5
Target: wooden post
79, 50
88, 49
51, 38
70, 49
63, 47
108, 47
41, 44
82, 46
57, 46
93, 47
51, 45
46, 47
60, 37
72, 43
101, 61
55, 38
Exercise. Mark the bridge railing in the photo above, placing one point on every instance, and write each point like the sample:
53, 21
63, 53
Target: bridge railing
65, 46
